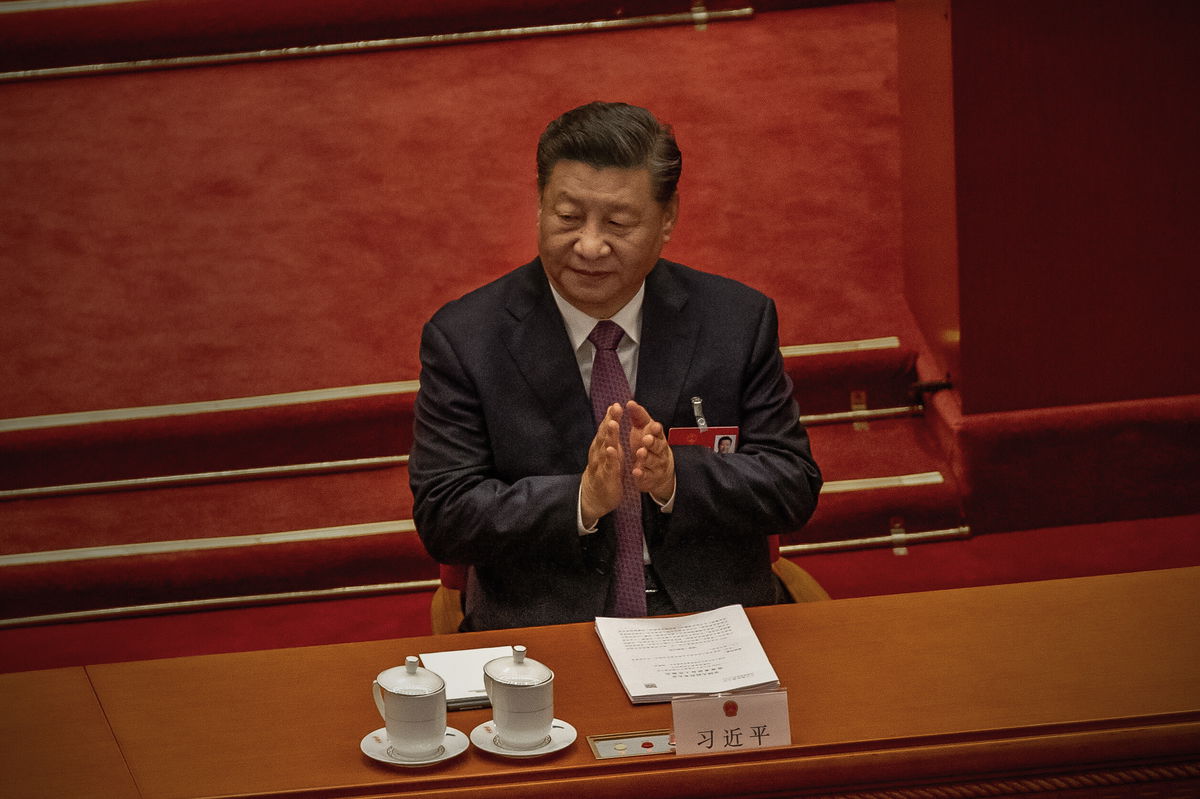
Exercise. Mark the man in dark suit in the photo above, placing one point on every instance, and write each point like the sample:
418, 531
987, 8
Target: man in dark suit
519, 475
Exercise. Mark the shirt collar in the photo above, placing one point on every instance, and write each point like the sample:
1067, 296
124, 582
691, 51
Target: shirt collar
579, 325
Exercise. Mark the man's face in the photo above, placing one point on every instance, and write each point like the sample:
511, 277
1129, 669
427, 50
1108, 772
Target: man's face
600, 232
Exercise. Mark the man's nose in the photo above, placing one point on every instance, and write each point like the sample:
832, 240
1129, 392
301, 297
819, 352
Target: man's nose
591, 244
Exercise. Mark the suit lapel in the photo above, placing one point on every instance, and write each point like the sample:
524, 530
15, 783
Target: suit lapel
538, 344
541, 350
670, 330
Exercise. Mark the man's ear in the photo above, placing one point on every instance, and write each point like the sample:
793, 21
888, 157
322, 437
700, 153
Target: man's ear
670, 215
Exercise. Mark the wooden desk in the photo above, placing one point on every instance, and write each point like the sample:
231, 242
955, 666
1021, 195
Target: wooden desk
54, 740
1089, 683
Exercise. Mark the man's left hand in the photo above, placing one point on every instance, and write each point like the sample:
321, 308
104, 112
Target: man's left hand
653, 462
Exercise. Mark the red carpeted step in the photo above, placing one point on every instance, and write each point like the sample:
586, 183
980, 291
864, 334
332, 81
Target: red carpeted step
881, 477
246, 538
273, 626
874, 375
234, 573
867, 516
354, 422
878, 448
205, 511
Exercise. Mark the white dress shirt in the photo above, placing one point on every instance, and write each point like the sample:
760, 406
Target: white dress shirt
580, 325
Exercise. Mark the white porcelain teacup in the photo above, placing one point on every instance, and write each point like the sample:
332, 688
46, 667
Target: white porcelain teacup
412, 701
522, 694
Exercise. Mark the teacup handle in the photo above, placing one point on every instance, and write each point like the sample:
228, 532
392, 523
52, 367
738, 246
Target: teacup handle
377, 692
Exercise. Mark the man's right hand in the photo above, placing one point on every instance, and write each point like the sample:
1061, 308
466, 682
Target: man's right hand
600, 490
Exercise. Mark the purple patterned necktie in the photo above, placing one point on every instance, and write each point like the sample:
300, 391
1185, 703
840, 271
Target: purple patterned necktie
610, 385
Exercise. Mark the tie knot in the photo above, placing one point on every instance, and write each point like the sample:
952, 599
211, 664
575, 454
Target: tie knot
606, 335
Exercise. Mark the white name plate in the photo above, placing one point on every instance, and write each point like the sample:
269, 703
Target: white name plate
731, 722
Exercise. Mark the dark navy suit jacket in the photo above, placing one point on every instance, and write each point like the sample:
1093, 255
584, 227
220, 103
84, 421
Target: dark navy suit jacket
503, 425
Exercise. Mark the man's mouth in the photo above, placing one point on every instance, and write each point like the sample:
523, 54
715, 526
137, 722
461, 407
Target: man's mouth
594, 273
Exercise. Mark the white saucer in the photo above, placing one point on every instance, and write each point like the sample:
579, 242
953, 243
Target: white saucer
562, 735
375, 746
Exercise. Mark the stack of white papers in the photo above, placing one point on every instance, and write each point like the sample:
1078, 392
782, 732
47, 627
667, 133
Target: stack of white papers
713, 652
462, 669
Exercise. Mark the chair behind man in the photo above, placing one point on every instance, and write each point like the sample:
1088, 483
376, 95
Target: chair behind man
446, 609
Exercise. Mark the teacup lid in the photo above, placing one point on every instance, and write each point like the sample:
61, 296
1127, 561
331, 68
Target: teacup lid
517, 669
410, 679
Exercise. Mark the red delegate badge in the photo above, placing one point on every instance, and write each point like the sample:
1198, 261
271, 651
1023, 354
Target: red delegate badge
718, 439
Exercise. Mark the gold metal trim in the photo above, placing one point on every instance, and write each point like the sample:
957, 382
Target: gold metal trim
218, 603
864, 415
884, 343
16, 6
652, 20
899, 539
208, 406
200, 478
201, 544
872, 483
